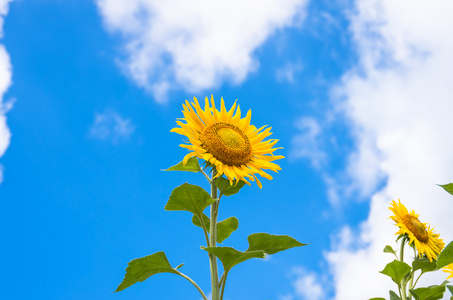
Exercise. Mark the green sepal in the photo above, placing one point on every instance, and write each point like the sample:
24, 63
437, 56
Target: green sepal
396, 270
191, 166
140, 269
433, 292
231, 257
424, 265
224, 228
271, 244
445, 257
389, 249
394, 296
447, 187
188, 197
400, 236
226, 188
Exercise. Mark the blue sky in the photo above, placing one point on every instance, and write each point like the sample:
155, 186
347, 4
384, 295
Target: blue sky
358, 93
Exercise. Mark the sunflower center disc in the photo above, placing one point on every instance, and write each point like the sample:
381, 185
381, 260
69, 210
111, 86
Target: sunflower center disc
418, 229
227, 143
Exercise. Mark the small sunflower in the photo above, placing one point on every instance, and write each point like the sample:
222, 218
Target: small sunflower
449, 269
228, 142
420, 234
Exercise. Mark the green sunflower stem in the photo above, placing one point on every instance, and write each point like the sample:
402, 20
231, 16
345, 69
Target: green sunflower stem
411, 281
213, 241
403, 281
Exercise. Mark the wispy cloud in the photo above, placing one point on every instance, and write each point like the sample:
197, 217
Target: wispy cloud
110, 126
307, 142
5, 82
194, 45
288, 71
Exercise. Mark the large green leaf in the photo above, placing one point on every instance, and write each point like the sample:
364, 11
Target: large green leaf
433, 292
394, 296
140, 269
190, 198
424, 265
231, 257
445, 257
191, 166
271, 243
447, 187
396, 270
226, 188
224, 228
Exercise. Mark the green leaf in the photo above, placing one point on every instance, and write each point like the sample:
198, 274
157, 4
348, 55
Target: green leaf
190, 198
196, 221
140, 269
450, 288
231, 257
389, 249
447, 187
396, 270
226, 188
445, 257
424, 265
433, 292
191, 166
271, 243
260, 244
224, 228
394, 296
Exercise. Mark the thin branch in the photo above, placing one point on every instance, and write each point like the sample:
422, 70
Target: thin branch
193, 282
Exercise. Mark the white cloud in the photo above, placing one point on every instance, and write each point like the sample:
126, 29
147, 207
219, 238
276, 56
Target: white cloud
3, 12
288, 71
307, 286
400, 101
5, 82
194, 45
110, 126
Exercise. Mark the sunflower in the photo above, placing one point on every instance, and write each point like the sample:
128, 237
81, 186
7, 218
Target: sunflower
420, 234
449, 269
228, 142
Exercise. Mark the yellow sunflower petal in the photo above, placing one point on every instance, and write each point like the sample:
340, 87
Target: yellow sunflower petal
231, 111
449, 269
237, 116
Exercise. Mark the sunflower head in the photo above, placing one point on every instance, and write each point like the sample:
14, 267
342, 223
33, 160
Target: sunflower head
420, 235
229, 143
449, 269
